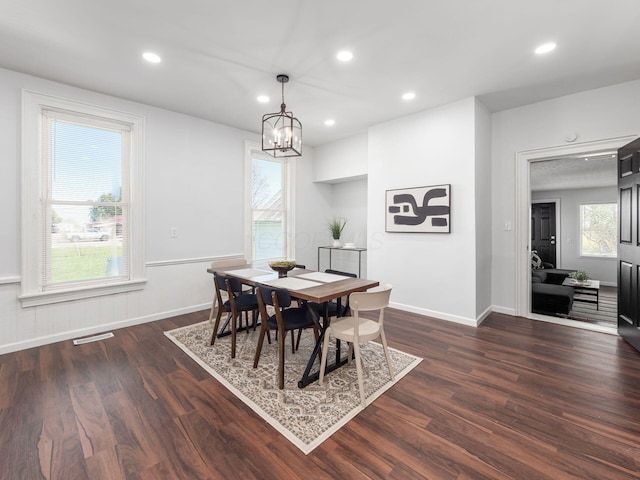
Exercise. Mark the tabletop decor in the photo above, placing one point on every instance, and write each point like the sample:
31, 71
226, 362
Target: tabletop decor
580, 276
336, 226
307, 416
282, 267
419, 209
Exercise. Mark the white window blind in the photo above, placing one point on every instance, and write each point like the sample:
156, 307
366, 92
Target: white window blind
86, 207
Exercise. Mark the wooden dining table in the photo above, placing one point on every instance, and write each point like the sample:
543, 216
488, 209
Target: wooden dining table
307, 286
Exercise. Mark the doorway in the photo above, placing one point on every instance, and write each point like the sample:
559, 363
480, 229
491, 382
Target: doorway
524, 160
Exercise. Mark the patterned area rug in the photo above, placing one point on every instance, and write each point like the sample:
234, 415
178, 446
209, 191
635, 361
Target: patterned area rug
305, 416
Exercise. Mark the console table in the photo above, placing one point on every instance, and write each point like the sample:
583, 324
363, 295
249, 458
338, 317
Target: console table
352, 249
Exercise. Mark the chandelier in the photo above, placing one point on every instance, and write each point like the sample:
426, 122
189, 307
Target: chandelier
281, 131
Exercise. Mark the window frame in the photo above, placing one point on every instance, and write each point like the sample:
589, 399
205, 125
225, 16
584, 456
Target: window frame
33, 185
581, 254
253, 150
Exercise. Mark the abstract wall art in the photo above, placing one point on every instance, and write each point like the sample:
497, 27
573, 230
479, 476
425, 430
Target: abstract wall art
419, 209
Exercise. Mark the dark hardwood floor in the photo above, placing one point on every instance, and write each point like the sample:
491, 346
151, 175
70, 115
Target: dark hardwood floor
512, 399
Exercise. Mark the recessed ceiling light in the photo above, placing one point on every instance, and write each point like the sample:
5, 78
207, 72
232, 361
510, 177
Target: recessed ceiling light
545, 48
263, 99
344, 56
151, 57
330, 122
409, 96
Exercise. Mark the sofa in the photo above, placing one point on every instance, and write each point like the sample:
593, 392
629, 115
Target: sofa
548, 295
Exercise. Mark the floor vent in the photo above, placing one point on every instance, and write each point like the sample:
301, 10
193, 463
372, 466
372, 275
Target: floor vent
95, 338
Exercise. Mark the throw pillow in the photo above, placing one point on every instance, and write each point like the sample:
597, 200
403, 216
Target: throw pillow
536, 261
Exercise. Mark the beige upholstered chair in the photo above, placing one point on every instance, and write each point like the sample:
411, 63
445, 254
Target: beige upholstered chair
226, 262
357, 330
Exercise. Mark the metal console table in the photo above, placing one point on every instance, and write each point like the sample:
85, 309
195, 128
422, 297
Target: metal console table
352, 249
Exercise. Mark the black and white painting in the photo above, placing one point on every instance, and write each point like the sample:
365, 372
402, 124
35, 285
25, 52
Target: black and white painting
419, 209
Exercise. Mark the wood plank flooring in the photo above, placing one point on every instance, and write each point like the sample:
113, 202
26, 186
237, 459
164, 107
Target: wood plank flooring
512, 399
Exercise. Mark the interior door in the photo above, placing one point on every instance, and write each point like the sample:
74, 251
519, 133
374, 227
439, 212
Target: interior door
543, 231
629, 242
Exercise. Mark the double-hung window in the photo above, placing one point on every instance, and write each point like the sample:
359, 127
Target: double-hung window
270, 216
82, 200
599, 230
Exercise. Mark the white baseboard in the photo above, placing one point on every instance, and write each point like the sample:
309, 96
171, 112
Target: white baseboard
505, 310
432, 313
37, 342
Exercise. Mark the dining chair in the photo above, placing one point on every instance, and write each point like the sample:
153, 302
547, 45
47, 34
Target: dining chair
237, 303
334, 310
222, 263
285, 319
357, 330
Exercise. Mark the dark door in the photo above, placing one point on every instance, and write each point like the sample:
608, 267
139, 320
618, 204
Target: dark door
543, 231
629, 242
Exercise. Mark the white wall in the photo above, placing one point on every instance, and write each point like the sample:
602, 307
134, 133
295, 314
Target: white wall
594, 115
194, 182
483, 209
343, 159
433, 274
603, 269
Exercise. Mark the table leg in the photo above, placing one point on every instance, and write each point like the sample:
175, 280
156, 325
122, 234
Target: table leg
307, 376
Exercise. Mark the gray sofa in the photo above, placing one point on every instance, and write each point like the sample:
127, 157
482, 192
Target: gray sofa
548, 295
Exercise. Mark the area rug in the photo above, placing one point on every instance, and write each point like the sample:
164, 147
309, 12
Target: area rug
306, 416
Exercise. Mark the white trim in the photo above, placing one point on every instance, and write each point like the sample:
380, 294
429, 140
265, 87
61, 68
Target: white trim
46, 298
33, 104
9, 280
558, 215
184, 261
435, 314
503, 310
71, 334
522, 249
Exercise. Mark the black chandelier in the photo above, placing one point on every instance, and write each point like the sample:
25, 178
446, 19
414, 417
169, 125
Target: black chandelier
281, 131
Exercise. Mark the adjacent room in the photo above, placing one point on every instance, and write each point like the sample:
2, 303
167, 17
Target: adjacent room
300, 239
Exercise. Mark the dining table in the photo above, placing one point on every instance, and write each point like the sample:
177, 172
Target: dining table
306, 286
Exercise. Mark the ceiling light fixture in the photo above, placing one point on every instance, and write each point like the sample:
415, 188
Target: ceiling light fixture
151, 57
545, 48
409, 96
344, 56
281, 131
330, 122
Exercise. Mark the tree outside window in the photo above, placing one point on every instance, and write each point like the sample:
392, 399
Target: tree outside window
599, 230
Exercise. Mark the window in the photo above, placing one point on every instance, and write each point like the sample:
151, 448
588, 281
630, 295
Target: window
82, 234
270, 218
598, 230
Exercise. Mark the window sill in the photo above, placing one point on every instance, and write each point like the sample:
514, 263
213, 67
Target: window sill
46, 298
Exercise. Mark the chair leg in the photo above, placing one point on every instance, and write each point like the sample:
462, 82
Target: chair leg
281, 348
293, 342
233, 335
215, 326
323, 360
298, 342
386, 354
256, 358
356, 348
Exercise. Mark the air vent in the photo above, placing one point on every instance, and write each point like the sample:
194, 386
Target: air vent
95, 338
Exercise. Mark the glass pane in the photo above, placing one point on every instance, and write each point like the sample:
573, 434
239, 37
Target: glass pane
82, 250
599, 230
86, 163
267, 184
268, 238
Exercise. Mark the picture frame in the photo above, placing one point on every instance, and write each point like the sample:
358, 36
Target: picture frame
419, 209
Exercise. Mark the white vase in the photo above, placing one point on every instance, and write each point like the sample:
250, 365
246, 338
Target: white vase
336, 243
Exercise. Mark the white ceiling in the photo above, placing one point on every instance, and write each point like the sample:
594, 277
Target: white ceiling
583, 171
218, 56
